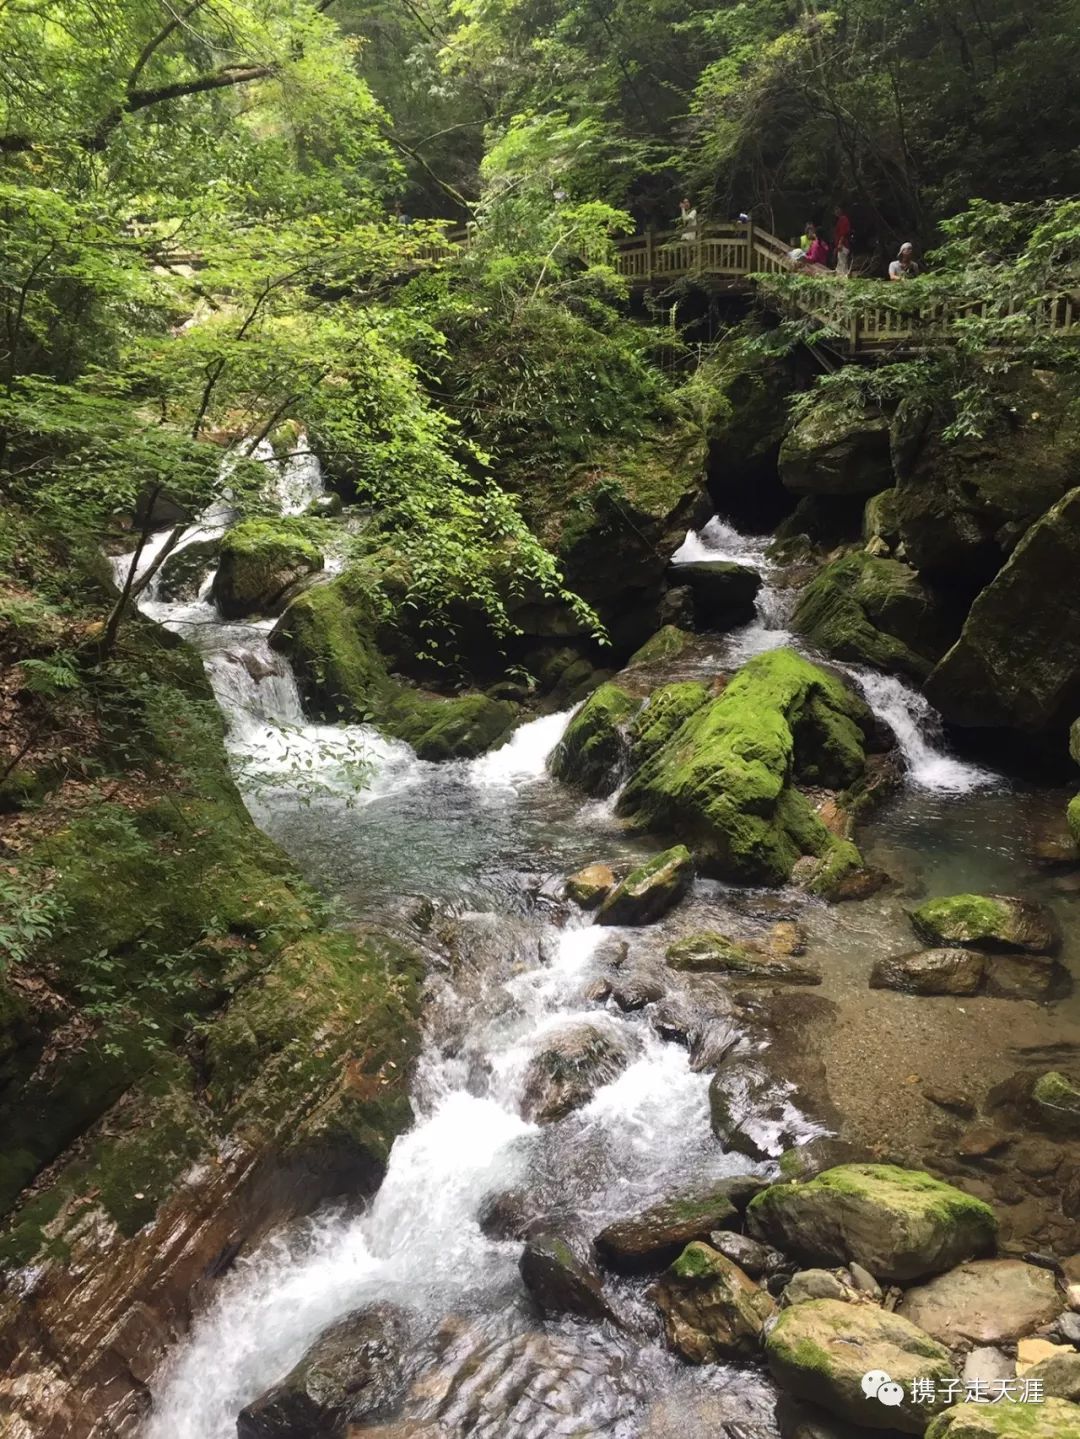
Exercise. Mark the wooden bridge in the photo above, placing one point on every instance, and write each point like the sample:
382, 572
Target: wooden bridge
734, 256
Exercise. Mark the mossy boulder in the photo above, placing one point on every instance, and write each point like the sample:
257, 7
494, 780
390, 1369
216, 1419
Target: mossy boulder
713, 953
560, 1281
1016, 663
595, 747
711, 1309
588, 886
1072, 817
964, 503
1052, 1419
666, 644
819, 1352
259, 561
725, 781
873, 612
444, 727
724, 592
662, 715
832, 451
900, 1224
353, 1370
650, 890
881, 521
656, 1236
1055, 1102
998, 922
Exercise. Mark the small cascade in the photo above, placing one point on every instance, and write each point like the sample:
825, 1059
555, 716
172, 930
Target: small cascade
525, 755
917, 727
719, 540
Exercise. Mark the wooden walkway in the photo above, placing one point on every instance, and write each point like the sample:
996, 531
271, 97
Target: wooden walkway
735, 256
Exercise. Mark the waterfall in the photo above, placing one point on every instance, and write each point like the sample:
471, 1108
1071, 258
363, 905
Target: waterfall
719, 540
917, 727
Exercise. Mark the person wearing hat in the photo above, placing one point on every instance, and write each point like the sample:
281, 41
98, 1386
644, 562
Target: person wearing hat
904, 266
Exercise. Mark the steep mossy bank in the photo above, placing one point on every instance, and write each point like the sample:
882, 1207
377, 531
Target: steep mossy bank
188, 1045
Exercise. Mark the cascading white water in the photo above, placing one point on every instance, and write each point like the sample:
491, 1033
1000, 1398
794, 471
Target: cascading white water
917, 727
719, 540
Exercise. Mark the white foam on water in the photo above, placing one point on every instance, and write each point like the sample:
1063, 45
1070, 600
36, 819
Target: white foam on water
917, 727
524, 756
718, 540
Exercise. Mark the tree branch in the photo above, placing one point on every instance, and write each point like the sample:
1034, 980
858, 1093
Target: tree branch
156, 41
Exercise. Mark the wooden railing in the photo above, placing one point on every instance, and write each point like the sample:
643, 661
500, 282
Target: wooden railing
737, 254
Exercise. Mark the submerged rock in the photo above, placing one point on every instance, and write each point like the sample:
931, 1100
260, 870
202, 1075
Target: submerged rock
988, 1302
713, 953
724, 592
658, 1235
931, 971
711, 1309
259, 561
749, 1111
1016, 662
900, 1224
573, 1064
593, 751
648, 892
726, 779
1053, 1419
874, 612
988, 921
560, 1282
821, 1350
352, 1371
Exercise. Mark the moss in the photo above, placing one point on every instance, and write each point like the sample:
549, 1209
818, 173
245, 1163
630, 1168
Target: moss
1056, 1100
441, 728
594, 748
1072, 817
259, 560
664, 712
709, 952
724, 779
328, 634
960, 919
650, 890
881, 517
667, 643
697, 1261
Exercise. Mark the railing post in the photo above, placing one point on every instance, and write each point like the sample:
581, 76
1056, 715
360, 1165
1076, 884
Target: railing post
699, 248
853, 331
649, 252
749, 247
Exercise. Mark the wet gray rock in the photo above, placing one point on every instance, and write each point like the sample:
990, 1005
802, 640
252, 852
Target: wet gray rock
507, 1214
816, 1284
723, 592
574, 1063
864, 1282
987, 1365
636, 990
1026, 976
988, 1302
749, 1110
931, 971
750, 1255
1060, 1376
656, 1236
560, 1282
353, 1371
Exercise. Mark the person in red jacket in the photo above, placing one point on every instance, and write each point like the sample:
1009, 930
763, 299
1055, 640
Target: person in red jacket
842, 229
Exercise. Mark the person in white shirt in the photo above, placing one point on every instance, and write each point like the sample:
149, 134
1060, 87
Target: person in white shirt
904, 266
688, 220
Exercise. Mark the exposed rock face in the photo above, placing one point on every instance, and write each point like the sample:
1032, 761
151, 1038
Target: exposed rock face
594, 749
260, 560
725, 778
182, 575
1017, 662
874, 612
648, 892
820, 1351
931, 971
1059, 1375
657, 1236
560, 1282
668, 641
990, 1301
1055, 1419
724, 592
963, 504
900, 1224
830, 452
881, 522
573, 1064
589, 885
351, 1372
988, 921
711, 1309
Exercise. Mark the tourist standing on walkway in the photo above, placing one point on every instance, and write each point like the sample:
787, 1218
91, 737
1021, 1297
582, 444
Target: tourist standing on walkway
843, 258
817, 252
842, 231
688, 220
904, 266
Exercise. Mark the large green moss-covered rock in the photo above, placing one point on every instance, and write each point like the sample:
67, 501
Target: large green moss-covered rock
1055, 1103
664, 713
329, 635
711, 1309
819, 1352
963, 503
988, 921
830, 451
1052, 1419
259, 560
1016, 663
873, 612
594, 749
900, 1224
725, 780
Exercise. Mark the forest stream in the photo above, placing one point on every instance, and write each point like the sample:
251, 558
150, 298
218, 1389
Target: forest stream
469, 857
